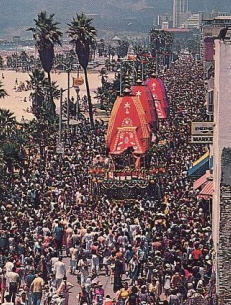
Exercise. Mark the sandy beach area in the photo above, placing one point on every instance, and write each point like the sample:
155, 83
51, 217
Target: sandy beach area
15, 101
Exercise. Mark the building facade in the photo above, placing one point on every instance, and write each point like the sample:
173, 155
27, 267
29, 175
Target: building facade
222, 139
180, 12
209, 31
194, 21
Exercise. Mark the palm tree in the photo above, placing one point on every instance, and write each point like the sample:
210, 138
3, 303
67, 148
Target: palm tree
122, 49
1, 62
36, 82
24, 58
7, 123
40, 87
12, 155
46, 34
83, 36
3, 93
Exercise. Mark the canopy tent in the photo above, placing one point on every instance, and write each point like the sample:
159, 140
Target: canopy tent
205, 155
200, 166
145, 96
201, 181
128, 126
158, 96
207, 191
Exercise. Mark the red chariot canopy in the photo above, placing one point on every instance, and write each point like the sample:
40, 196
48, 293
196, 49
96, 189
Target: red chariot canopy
128, 126
158, 96
145, 96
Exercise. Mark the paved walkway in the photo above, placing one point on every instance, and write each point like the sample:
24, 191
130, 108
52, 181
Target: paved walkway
105, 280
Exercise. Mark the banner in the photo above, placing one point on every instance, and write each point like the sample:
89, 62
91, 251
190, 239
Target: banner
202, 129
77, 81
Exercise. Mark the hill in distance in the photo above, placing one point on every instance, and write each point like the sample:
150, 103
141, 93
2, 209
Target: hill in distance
112, 15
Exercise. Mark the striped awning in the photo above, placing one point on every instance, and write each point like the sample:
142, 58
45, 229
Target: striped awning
207, 190
199, 182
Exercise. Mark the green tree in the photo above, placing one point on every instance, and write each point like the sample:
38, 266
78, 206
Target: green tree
122, 49
3, 93
101, 47
83, 34
1, 62
24, 60
7, 124
12, 155
40, 87
46, 34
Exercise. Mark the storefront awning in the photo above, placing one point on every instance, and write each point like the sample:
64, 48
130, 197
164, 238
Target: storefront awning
207, 191
199, 169
202, 180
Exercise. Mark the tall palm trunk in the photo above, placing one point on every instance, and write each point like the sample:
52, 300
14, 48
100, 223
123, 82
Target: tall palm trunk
52, 104
89, 99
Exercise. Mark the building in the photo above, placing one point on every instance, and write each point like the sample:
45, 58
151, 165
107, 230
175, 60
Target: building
180, 12
209, 31
180, 34
224, 253
222, 139
194, 21
164, 21
165, 25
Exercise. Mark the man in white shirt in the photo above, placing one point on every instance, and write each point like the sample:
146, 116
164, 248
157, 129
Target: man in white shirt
9, 266
73, 260
60, 271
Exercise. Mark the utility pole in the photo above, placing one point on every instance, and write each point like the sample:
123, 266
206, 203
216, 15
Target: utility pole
142, 68
68, 101
121, 78
60, 116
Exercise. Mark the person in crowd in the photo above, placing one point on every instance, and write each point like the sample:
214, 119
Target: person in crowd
36, 288
60, 271
13, 279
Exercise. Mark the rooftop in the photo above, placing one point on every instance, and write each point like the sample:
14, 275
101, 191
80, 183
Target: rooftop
178, 30
222, 18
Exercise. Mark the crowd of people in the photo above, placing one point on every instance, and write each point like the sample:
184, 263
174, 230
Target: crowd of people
151, 251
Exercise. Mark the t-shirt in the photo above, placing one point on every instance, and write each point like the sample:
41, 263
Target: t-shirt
29, 279
9, 266
173, 300
133, 298
58, 233
60, 270
73, 253
13, 277
196, 254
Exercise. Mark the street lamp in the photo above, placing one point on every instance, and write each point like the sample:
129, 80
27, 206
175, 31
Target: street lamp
68, 100
77, 89
68, 69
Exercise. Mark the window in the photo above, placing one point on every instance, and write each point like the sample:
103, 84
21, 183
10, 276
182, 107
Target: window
210, 102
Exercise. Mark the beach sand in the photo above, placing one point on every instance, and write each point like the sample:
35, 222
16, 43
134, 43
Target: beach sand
15, 101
